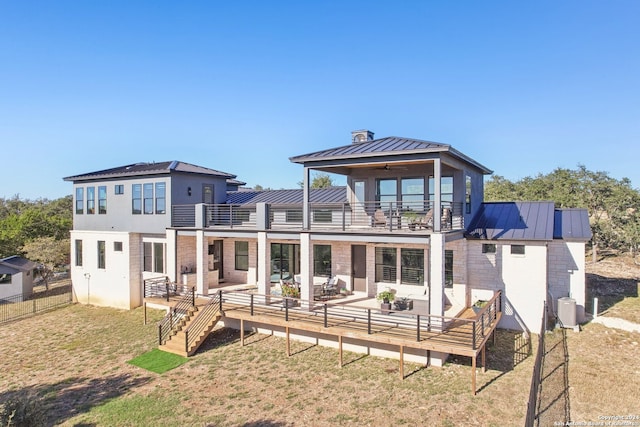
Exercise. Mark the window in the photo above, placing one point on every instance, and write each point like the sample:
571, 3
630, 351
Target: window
412, 266
488, 248
322, 260
5, 278
117, 246
448, 269
91, 200
467, 197
446, 189
517, 249
78, 247
102, 199
161, 201
242, 256
119, 189
294, 215
158, 257
147, 256
285, 261
322, 215
412, 193
101, 254
386, 269
387, 192
136, 199
148, 198
79, 200
153, 257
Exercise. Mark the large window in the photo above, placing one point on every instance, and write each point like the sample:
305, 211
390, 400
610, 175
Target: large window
448, 269
322, 260
285, 261
102, 199
387, 192
161, 200
446, 189
412, 193
153, 257
158, 257
412, 266
242, 256
148, 198
91, 200
136, 199
79, 200
78, 247
386, 270
102, 262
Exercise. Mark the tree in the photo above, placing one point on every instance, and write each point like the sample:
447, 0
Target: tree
319, 180
49, 253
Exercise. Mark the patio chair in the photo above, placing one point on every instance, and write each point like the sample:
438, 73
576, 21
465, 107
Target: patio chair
426, 221
379, 218
317, 292
446, 219
331, 287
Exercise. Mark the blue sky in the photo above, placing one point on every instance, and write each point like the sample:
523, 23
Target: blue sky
522, 87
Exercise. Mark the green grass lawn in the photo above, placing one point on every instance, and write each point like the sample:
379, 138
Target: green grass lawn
158, 361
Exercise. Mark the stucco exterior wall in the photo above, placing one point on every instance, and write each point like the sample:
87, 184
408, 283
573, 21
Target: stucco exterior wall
522, 278
567, 274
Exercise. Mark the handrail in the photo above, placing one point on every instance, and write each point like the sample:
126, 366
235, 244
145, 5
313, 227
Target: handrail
175, 314
201, 321
422, 324
158, 286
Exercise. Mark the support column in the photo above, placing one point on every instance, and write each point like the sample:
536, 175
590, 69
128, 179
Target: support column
305, 200
437, 195
172, 255
202, 287
306, 260
436, 291
264, 274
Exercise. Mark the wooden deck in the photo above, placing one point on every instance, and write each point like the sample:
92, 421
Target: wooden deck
465, 335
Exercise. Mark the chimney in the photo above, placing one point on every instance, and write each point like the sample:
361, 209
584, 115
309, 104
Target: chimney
361, 135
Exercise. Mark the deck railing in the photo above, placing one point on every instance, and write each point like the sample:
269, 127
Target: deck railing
175, 315
390, 215
159, 287
469, 332
202, 321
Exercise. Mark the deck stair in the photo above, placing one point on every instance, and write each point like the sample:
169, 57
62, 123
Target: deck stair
193, 329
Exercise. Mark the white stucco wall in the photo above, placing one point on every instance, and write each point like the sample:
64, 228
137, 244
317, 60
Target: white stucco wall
567, 274
522, 278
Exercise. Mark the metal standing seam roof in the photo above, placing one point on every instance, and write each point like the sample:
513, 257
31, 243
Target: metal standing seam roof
286, 197
141, 169
528, 221
391, 145
17, 263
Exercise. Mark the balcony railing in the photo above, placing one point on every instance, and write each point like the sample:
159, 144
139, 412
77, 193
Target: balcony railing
414, 215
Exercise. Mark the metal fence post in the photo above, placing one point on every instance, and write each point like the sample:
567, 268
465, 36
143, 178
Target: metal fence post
325, 314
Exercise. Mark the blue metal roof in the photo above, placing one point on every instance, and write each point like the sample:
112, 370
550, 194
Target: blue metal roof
528, 221
153, 168
572, 224
287, 197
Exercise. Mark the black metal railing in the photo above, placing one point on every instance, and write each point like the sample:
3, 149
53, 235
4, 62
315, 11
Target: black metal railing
20, 306
159, 287
422, 326
202, 321
536, 379
183, 307
183, 215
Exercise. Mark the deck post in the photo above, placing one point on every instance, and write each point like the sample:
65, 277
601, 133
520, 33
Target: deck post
241, 332
369, 321
418, 329
340, 349
401, 362
220, 299
144, 304
288, 343
484, 360
473, 374
252, 304
325, 314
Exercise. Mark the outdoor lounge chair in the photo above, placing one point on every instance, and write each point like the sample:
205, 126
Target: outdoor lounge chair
331, 287
426, 221
379, 218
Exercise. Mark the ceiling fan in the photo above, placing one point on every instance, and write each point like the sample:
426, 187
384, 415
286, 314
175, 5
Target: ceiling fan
388, 168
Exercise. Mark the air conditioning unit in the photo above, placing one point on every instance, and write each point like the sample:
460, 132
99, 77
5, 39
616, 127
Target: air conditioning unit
567, 312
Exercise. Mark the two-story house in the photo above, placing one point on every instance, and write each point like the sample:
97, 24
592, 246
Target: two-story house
119, 225
411, 219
